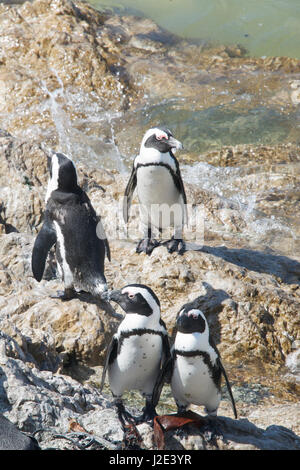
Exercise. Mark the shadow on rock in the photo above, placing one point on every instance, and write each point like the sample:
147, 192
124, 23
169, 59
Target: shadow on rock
274, 437
286, 269
101, 303
211, 303
231, 434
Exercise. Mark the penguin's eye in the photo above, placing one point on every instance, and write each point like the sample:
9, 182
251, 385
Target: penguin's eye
193, 314
131, 296
161, 136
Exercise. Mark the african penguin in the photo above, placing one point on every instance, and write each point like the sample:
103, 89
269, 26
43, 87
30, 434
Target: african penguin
161, 194
138, 350
71, 223
195, 369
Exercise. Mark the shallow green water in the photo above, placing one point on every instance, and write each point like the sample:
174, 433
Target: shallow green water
214, 127
264, 27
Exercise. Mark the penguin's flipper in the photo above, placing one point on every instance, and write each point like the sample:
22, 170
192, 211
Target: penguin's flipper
179, 184
166, 352
228, 388
107, 249
42, 245
111, 354
163, 377
102, 235
131, 185
100, 229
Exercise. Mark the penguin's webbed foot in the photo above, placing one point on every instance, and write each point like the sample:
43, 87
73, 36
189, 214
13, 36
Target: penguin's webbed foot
123, 415
68, 294
149, 414
146, 245
175, 245
181, 409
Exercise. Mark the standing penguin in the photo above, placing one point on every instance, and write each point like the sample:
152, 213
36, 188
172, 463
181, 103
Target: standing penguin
161, 194
195, 369
138, 350
71, 222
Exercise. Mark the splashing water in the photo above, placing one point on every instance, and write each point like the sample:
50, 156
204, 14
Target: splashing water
78, 137
60, 117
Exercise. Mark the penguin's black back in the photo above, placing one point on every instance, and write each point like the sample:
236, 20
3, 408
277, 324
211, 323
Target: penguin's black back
73, 212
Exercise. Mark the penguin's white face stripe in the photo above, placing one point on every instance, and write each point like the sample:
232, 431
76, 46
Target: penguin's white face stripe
159, 134
194, 313
132, 290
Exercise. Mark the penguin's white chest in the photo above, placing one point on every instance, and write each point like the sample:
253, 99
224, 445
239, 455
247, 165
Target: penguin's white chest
137, 365
192, 383
155, 185
160, 200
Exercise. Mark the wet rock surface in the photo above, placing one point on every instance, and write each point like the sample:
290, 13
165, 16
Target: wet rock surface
247, 281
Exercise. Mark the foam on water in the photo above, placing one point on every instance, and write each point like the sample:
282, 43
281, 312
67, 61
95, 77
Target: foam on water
257, 228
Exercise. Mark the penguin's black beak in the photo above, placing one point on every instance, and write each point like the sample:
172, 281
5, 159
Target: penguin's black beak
174, 143
115, 295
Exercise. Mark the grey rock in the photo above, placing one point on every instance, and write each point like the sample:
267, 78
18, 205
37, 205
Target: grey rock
60, 413
42, 403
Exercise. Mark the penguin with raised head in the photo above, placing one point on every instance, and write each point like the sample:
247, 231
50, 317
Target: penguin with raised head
138, 350
162, 199
194, 370
72, 224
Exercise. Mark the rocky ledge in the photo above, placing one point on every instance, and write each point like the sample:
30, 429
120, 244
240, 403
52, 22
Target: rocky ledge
52, 352
61, 414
